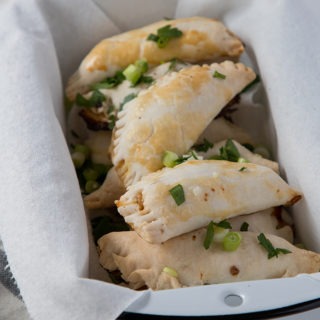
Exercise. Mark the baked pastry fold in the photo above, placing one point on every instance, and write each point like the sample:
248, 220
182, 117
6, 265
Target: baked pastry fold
142, 263
202, 40
213, 190
171, 115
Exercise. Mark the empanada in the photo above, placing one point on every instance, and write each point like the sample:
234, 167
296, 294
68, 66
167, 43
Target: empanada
171, 115
221, 129
244, 153
267, 221
111, 190
213, 190
202, 40
142, 263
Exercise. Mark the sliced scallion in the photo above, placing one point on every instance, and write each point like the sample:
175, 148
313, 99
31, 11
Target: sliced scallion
177, 194
78, 159
169, 159
231, 241
218, 75
170, 271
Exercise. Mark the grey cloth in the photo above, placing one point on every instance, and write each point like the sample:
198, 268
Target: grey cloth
11, 303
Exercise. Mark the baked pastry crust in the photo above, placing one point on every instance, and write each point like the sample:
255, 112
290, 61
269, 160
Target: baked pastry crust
203, 40
142, 263
171, 115
214, 190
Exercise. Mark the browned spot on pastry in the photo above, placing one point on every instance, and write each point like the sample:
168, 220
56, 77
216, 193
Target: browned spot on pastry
139, 200
234, 270
213, 189
194, 237
205, 198
278, 190
201, 275
293, 200
222, 188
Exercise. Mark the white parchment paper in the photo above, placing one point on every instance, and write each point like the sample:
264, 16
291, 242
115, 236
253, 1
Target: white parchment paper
42, 220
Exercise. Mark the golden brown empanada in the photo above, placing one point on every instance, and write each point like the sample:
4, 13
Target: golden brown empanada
213, 190
171, 115
142, 263
203, 39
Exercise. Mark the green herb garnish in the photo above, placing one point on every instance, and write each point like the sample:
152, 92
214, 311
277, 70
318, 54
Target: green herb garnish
95, 100
251, 84
177, 194
218, 75
272, 251
242, 169
164, 35
109, 82
244, 226
203, 147
126, 99
232, 241
146, 79
229, 152
210, 231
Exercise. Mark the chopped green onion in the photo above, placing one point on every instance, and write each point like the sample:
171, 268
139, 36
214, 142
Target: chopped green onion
209, 235
126, 99
142, 65
95, 99
242, 160
132, 73
90, 174
219, 233
218, 75
177, 194
232, 241
229, 152
78, 159
170, 271
224, 224
83, 149
272, 251
91, 186
203, 147
110, 82
263, 151
169, 159
146, 79
244, 226
164, 35
242, 169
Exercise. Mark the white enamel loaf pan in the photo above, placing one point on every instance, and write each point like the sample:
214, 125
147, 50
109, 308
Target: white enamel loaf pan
281, 47
276, 127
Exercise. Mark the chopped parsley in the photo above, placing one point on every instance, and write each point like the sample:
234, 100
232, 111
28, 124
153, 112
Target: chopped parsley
164, 35
126, 99
218, 75
272, 251
244, 226
110, 82
210, 231
95, 100
251, 84
203, 147
177, 194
